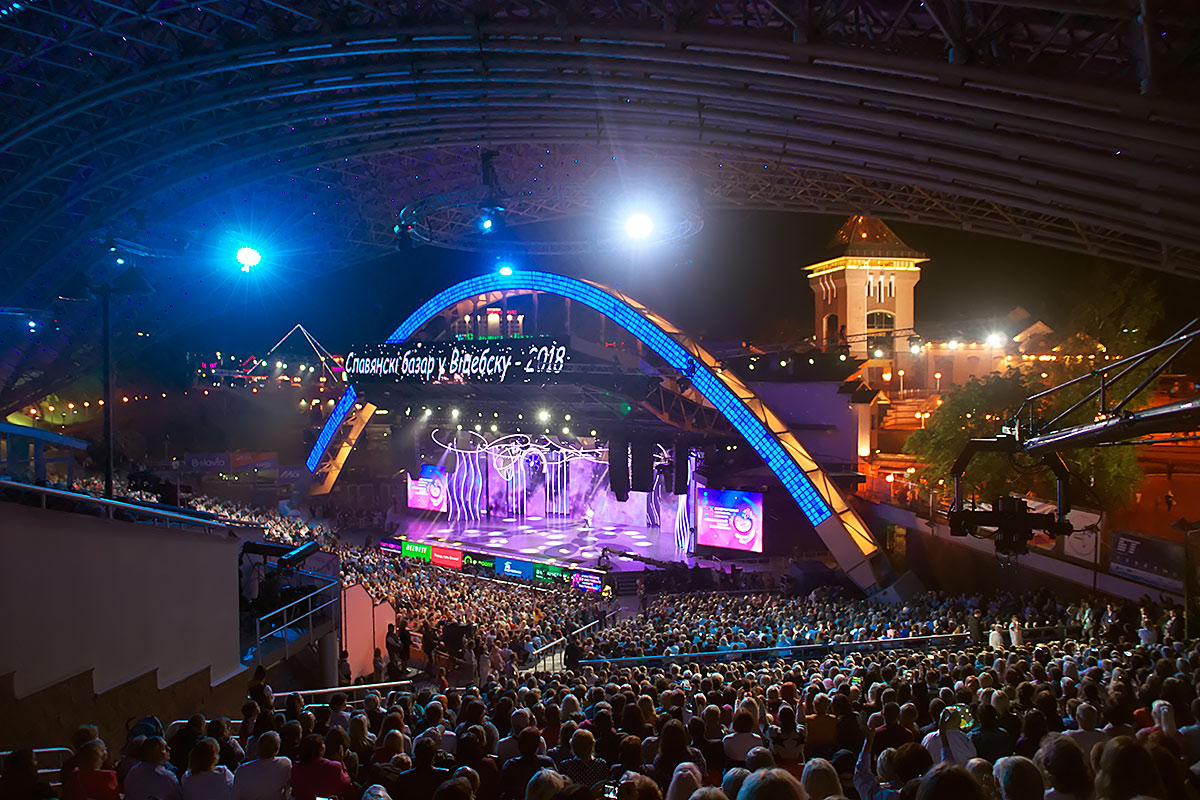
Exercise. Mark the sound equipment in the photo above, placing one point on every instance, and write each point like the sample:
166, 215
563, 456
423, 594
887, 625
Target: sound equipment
680, 472
618, 468
641, 471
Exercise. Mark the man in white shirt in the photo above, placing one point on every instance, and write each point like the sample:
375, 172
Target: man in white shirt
151, 778
507, 748
948, 742
266, 777
1087, 737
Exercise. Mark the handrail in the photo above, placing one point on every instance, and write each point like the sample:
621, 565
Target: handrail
331, 582
50, 772
537, 655
908, 641
735, 654
110, 505
390, 685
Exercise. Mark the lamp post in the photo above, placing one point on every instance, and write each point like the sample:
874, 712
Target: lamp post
937, 376
900, 372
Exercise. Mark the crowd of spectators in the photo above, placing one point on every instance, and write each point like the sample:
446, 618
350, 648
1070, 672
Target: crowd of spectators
1064, 720
706, 622
506, 621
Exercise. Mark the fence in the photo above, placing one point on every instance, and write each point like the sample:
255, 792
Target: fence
288, 627
558, 648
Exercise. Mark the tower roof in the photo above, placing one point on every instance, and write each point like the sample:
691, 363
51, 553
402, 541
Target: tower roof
869, 237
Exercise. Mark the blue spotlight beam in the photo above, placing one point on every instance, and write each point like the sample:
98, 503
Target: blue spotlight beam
846, 535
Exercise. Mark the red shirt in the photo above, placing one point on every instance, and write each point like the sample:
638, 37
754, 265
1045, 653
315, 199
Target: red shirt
320, 778
92, 784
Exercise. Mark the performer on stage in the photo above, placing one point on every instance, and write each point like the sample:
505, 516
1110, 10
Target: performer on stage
588, 516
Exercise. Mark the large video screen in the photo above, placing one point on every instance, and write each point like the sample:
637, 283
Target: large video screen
729, 519
428, 492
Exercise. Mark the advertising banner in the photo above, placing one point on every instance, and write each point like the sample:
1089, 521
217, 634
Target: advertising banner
538, 359
292, 473
206, 462
484, 562
1147, 559
587, 581
512, 568
729, 519
447, 557
243, 461
430, 491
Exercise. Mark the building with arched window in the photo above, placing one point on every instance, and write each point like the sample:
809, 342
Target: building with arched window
864, 290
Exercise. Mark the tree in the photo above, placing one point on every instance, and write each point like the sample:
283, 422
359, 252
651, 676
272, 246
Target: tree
1114, 318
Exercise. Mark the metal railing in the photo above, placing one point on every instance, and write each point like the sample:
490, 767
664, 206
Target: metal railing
1031, 635
136, 513
559, 646
296, 620
49, 774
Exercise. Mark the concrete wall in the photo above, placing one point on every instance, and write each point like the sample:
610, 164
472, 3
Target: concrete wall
809, 406
969, 565
119, 599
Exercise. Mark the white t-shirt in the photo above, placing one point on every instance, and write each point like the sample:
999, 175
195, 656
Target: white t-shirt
212, 785
961, 748
148, 781
263, 779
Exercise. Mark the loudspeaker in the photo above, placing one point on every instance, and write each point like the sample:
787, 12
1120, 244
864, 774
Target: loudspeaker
641, 471
618, 468
680, 483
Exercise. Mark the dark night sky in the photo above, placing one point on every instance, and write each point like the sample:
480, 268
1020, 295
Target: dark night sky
741, 276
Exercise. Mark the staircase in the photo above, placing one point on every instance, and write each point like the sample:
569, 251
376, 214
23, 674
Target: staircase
902, 412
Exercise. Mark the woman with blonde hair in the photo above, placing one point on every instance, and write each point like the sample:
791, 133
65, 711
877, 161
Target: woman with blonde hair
205, 779
820, 779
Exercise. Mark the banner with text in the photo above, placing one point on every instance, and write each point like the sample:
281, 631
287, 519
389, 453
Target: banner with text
537, 359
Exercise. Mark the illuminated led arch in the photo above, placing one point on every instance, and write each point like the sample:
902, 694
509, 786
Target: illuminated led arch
839, 527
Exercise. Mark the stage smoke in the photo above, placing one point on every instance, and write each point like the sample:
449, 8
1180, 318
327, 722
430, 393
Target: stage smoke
618, 468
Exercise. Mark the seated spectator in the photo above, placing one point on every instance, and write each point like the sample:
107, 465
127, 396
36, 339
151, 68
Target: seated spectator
771, 784
152, 778
1086, 735
820, 779
584, 768
315, 776
181, 743
949, 782
232, 754
266, 777
89, 780
20, 780
518, 771
1127, 770
206, 778
990, 740
673, 749
546, 785
424, 777
821, 727
1018, 778
786, 738
629, 758
1066, 769
743, 738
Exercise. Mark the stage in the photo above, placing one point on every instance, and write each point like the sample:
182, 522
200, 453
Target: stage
564, 541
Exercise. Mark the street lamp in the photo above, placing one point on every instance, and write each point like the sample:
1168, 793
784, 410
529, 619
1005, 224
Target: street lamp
900, 372
937, 376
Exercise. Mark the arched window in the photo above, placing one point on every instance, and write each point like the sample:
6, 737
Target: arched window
881, 321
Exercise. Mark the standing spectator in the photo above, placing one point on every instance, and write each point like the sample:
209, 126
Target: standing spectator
378, 667
345, 675
267, 776
206, 778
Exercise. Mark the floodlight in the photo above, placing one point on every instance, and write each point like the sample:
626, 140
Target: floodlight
248, 257
639, 225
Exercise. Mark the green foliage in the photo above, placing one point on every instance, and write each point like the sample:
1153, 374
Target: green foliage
1115, 317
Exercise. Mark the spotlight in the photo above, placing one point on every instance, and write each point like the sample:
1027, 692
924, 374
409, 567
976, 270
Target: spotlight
995, 339
543, 416
248, 257
120, 261
878, 353
505, 269
485, 224
32, 324
639, 225
952, 344
454, 413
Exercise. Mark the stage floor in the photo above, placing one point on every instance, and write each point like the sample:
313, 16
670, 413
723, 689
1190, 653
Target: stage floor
539, 539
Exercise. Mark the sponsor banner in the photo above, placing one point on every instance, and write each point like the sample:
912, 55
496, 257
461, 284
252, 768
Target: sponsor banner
513, 568
587, 581
243, 461
1147, 559
430, 492
417, 550
207, 462
446, 557
729, 519
537, 359
484, 562
292, 473
549, 573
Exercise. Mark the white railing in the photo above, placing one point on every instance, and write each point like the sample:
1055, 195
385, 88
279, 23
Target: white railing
139, 513
301, 620
49, 774
559, 646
